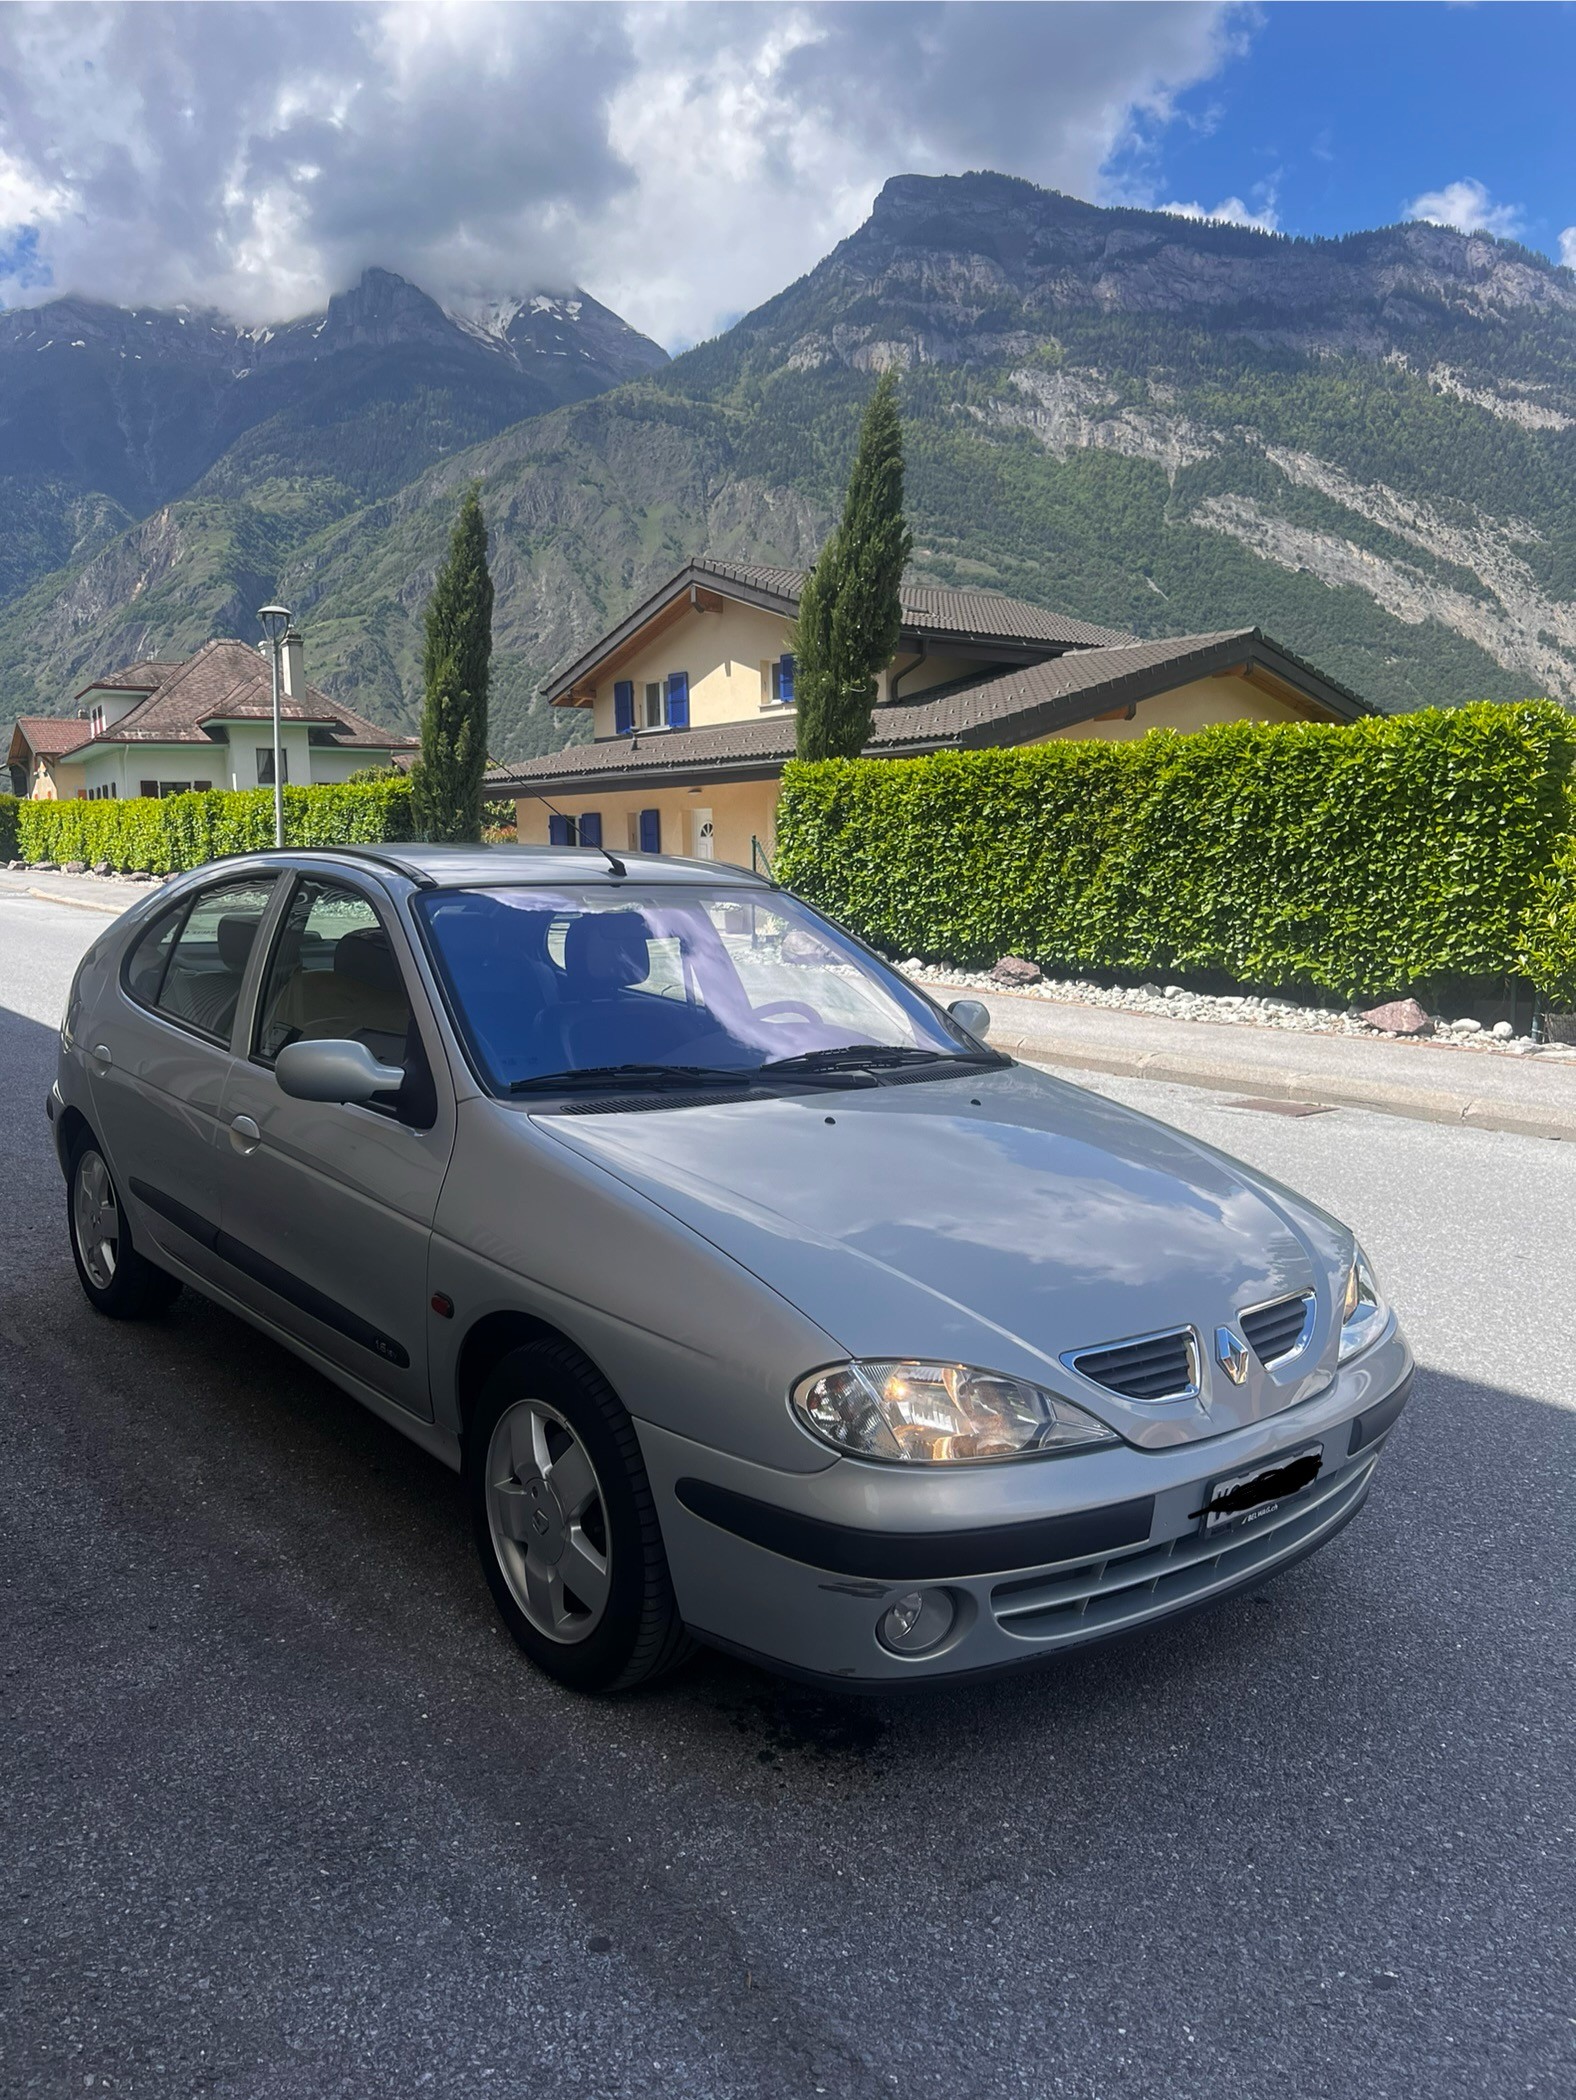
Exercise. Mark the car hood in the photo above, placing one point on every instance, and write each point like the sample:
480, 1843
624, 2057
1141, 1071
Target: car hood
1000, 1218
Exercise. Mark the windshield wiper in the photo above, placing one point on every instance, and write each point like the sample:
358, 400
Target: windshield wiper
872, 1057
630, 1075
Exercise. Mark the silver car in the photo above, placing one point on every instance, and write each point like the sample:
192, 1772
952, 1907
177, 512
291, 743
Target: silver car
757, 1300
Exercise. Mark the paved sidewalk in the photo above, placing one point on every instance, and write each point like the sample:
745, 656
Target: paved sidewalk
102, 893
1533, 1096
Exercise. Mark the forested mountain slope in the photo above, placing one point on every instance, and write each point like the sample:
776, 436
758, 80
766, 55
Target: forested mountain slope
1366, 446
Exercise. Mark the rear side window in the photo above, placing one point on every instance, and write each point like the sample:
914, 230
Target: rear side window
189, 967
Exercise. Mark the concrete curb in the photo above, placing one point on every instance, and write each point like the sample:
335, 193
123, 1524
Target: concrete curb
1237, 1065
82, 903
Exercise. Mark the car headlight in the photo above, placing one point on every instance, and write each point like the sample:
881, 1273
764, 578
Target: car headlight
1363, 1310
939, 1414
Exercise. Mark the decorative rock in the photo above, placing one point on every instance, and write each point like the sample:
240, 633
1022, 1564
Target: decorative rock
1173, 991
46, 867
1503, 1030
1399, 1017
74, 867
1016, 969
1466, 1026
102, 867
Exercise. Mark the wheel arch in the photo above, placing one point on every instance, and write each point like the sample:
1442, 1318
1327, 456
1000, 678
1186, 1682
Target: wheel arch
489, 1340
70, 1125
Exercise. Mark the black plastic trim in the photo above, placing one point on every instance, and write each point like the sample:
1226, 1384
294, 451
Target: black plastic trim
284, 1283
901, 1556
1374, 1421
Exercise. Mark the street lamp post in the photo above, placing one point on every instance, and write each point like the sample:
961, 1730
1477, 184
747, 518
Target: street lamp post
275, 623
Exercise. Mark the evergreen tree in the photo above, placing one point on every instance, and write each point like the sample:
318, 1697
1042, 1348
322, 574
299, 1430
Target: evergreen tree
850, 614
446, 780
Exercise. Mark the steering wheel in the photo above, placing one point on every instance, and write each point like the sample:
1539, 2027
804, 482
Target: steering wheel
795, 1007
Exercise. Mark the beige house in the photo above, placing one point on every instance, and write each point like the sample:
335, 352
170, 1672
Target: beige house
164, 728
691, 703
43, 758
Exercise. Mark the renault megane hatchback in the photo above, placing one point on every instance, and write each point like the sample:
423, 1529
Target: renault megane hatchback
755, 1297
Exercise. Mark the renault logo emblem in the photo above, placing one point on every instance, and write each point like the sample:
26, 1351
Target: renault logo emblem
1231, 1353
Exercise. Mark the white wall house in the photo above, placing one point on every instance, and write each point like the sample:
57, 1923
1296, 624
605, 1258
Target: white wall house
165, 728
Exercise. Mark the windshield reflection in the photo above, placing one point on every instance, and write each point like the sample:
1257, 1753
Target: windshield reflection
550, 982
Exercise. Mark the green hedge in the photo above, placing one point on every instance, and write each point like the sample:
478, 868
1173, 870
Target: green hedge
183, 831
1359, 860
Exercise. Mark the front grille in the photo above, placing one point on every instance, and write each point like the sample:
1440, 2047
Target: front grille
1154, 1367
1102, 1596
1274, 1331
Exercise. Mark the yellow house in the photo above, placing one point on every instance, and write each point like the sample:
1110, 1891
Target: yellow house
40, 759
691, 703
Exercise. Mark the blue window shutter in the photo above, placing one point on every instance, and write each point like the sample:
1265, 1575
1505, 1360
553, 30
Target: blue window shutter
624, 707
785, 678
590, 827
678, 699
560, 830
651, 831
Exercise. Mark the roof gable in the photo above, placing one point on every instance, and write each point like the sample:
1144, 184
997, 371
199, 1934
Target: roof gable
931, 615
228, 681
46, 736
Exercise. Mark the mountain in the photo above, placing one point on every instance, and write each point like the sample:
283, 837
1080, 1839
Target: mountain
1365, 445
107, 414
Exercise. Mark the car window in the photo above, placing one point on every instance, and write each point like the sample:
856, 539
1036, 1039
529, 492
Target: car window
190, 967
334, 975
551, 981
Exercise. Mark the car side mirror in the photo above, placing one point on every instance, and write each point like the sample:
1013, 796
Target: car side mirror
972, 1015
333, 1071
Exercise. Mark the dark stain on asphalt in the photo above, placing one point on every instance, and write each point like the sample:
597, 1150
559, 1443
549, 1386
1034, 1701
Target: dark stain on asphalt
787, 1722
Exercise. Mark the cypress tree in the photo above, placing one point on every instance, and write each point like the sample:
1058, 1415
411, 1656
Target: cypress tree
850, 614
446, 780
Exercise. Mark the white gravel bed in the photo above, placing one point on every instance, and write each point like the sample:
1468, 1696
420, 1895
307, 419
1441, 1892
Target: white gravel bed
1233, 1009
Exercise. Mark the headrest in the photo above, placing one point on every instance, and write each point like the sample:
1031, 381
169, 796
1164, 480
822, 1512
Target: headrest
363, 956
235, 936
607, 948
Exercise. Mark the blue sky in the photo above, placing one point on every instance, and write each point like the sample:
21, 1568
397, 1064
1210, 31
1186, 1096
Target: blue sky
684, 162
1338, 117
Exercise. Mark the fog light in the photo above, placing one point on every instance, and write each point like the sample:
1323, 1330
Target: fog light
918, 1621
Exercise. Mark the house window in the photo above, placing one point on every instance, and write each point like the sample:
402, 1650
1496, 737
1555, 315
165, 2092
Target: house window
651, 831
653, 703
590, 827
148, 787
265, 765
96, 720
174, 787
782, 681
560, 830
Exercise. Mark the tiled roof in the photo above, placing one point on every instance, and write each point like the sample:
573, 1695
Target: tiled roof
998, 707
50, 736
981, 615
232, 681
134, 678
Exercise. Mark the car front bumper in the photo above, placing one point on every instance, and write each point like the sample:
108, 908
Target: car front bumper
1036, 1556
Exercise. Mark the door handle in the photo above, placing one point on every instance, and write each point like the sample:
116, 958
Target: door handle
244, 1134
100, 1054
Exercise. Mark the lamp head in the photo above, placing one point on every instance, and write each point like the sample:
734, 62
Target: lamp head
274, 619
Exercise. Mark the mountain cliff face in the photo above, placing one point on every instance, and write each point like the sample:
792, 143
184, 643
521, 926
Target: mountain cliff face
1367, 446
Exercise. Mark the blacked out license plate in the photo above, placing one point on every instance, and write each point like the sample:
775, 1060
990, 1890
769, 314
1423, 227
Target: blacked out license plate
1241, 1499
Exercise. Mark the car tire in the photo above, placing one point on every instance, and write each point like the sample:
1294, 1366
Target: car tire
119, 1281
565, 1523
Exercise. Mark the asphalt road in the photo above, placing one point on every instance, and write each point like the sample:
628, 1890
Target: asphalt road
284, 1814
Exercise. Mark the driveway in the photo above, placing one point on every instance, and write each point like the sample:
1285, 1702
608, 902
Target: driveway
285, 1814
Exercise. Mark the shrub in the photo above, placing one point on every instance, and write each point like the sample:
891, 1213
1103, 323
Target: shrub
8, 845
1360, 859
183, 831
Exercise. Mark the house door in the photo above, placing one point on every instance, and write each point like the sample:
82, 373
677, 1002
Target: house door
702, 841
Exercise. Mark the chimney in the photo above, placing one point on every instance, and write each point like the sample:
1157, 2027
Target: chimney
293, 663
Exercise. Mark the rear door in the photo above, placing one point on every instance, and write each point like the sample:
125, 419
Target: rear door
158, 1053
327, 1207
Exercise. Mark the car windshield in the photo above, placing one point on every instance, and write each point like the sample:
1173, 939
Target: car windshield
652, 984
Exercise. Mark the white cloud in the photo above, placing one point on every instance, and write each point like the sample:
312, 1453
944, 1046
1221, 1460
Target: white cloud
1568, 247
1232, 210
1468, 207
683, 162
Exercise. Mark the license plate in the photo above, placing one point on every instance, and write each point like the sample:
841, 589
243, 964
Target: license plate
1247, 1498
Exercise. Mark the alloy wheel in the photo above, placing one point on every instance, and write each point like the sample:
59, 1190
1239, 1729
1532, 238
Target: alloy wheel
548, 1522
96, 1219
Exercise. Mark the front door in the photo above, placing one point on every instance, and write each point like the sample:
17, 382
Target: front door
157, 1048
328, 1206
702, 838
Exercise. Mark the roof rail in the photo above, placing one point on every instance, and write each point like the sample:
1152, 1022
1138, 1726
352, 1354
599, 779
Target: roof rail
419, 876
